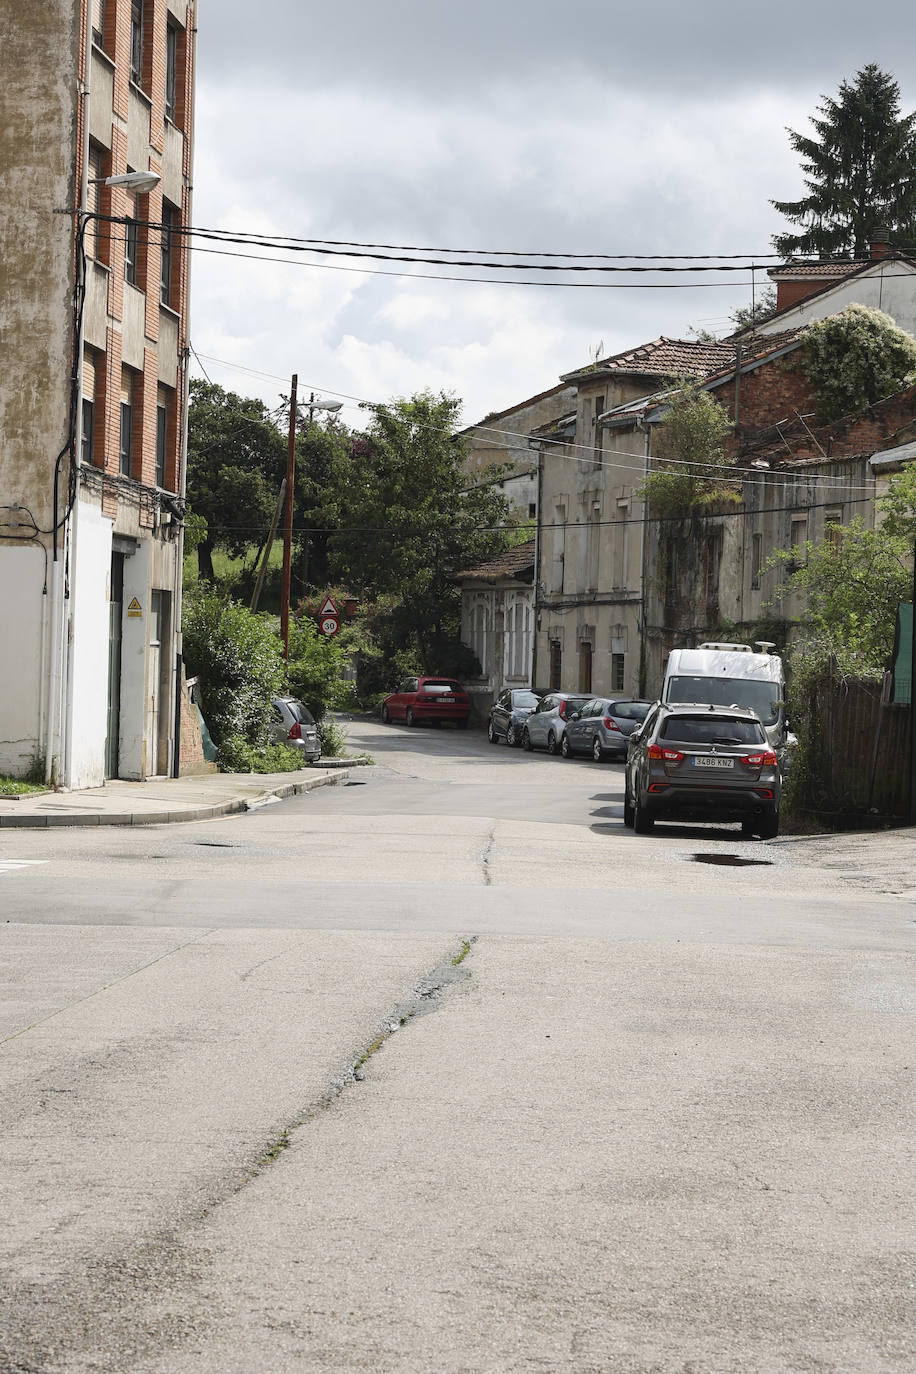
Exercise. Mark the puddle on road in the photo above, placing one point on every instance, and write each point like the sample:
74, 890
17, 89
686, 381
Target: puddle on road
730, 861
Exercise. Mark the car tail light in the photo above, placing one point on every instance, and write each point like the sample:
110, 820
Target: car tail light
655, 751
295, 731
767, 759
611, 724
562, 710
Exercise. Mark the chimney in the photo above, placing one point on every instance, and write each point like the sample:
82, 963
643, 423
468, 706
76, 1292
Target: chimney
880, 247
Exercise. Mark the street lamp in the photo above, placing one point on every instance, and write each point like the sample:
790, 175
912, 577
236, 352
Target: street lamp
333, 407
141, 182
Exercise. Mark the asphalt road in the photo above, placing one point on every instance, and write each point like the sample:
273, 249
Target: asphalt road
446, 1070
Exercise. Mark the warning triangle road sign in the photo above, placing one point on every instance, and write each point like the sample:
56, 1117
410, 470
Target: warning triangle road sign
328, 608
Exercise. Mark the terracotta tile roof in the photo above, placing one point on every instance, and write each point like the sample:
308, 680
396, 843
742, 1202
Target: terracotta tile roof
664, 357
807, 271
515, 563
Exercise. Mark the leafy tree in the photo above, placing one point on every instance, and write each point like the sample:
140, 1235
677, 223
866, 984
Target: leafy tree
854, 359
690, 456
852, 584
236, 461
763, 307
408, 518
858, 170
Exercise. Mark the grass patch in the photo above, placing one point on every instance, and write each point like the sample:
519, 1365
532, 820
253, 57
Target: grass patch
462, 953
19, 787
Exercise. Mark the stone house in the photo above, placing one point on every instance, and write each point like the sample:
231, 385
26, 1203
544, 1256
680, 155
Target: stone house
93, 376
497, 622
501, 442
589, 545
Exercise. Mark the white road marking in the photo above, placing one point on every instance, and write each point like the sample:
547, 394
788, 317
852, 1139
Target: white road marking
14, 865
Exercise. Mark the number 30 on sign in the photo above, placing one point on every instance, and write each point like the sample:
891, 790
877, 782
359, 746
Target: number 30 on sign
329, 625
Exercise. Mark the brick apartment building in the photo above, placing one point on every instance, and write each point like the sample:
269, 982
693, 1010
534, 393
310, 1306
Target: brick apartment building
93, 373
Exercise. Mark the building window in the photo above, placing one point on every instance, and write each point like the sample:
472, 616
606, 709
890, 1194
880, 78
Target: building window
833, 526
131, 249
171, 69
136, 42
756, 559
598, 436
125, 447
797, 540
713, 565
162, 430
617, 666
169, 219
585, 666
555, 669
532, 510
87, 431
98, 23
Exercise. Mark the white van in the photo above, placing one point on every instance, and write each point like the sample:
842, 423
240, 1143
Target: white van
731, 675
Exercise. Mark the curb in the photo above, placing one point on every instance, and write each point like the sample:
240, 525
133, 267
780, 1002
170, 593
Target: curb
73, 819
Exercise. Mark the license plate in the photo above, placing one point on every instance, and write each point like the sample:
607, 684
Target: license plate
704, 762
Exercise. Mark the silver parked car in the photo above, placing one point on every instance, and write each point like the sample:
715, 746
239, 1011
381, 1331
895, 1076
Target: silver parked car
603, 727
545, 726
702, 763
293, 724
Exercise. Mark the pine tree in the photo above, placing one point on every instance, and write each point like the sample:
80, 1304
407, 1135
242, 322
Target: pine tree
859, 171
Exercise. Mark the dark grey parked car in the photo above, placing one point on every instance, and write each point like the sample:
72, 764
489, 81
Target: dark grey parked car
509, 712
702, 763
293, 724
603, 727
545, 726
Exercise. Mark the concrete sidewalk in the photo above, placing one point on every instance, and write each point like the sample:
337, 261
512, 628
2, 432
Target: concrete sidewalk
164, 799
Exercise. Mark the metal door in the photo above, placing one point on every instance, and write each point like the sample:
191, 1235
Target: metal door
115, 608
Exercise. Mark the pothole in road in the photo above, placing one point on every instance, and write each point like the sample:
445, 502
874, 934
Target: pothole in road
730, 861
213, 844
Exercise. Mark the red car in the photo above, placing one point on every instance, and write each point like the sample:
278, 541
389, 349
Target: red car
428, 698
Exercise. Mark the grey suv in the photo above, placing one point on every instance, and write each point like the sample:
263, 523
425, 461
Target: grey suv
702, 763
545, 726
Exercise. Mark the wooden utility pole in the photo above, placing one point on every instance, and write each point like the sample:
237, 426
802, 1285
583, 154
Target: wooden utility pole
288, 523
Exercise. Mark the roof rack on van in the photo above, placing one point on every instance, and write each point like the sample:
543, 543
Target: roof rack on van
729, 648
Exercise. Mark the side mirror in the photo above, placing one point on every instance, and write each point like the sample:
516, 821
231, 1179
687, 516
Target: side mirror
575, 715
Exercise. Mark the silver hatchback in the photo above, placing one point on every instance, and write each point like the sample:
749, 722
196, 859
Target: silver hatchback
293, 724
702, 763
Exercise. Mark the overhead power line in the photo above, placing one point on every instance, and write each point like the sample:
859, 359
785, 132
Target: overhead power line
778, 479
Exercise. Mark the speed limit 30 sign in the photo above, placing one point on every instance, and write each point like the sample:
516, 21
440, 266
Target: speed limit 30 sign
329, 625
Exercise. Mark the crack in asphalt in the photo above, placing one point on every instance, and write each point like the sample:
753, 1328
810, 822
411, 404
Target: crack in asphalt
486, 856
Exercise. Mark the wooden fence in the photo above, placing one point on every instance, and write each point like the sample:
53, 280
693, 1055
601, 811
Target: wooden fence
855, 750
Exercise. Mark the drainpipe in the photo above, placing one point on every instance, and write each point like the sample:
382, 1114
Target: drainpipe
647, 430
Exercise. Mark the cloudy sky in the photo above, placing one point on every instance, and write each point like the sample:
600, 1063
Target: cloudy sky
590, 126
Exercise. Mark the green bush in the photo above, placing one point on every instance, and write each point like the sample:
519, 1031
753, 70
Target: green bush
333, 739
236, 755
236, 655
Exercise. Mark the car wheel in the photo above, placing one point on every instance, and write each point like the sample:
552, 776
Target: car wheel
552, 746
565, 749
748, 830
643, 821
627, 808
768, 828
491, 733
386, 716
409, 718
597, 751
512, 735
526, 740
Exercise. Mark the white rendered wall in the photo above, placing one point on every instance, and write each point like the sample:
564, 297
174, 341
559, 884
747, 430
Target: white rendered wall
890, 287
23, 613
90, 598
